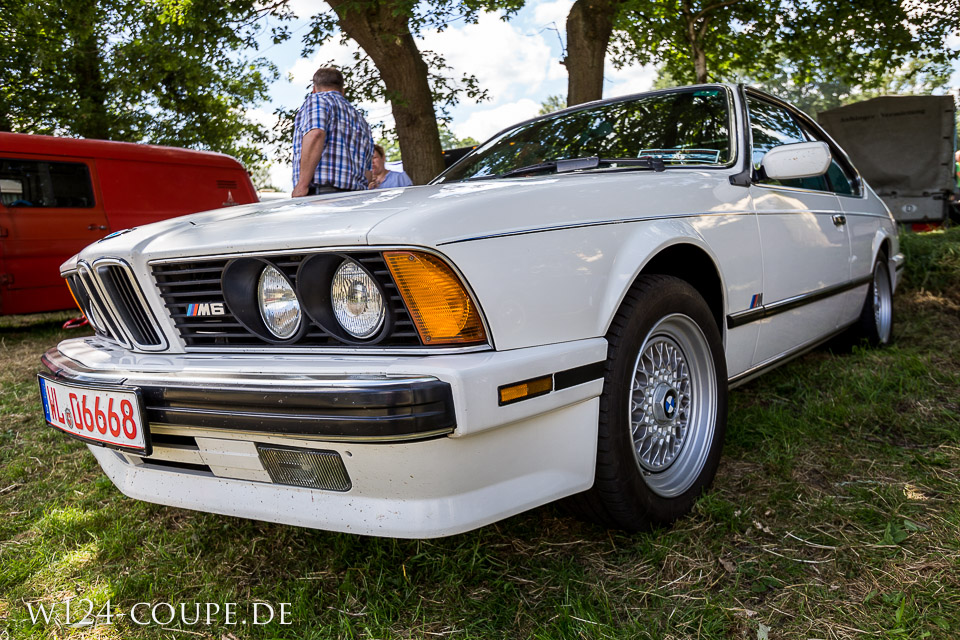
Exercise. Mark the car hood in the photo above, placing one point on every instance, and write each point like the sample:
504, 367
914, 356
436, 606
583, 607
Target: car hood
430, 215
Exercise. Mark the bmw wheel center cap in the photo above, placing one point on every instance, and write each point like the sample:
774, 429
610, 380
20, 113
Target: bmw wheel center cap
665, 400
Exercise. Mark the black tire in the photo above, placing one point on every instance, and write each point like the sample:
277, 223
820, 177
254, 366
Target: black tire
661, 317
876, 317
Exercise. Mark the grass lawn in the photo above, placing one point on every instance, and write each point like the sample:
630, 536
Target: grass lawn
835, 514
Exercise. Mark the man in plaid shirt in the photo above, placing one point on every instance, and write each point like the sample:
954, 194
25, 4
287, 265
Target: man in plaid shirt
332, 145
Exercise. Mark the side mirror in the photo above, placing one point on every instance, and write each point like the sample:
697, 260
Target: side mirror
800, 160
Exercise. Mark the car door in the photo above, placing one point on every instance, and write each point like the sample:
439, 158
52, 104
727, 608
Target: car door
804, 242
862, 222
49, 212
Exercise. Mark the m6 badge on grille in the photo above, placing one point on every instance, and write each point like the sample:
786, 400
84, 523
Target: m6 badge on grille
109, 417
206, 309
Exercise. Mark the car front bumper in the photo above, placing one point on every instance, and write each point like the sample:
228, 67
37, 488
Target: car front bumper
427, 447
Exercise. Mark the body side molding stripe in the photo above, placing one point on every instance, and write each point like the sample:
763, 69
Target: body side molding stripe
752, 315
594, 223
578, 375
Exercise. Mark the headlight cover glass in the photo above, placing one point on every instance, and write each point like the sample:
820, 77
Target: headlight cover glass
357, 301
278, 302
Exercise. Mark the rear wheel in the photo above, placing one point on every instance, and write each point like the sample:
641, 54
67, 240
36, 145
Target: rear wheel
663, 409
876, 317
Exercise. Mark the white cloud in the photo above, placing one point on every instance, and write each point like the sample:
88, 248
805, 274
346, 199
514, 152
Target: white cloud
484, 123
620, 82
262, 116
506, 61
281, 174
305, 9
301, 75
552, 12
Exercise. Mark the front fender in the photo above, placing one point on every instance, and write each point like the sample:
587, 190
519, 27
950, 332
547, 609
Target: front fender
566, 284
643, 244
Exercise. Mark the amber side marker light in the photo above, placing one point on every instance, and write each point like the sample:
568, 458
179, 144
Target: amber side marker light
438, 302
74, 296
523, 390
75, 323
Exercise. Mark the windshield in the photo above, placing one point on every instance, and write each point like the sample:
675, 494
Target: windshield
686, 127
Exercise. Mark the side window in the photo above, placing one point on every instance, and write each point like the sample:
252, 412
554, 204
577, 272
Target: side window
841, 179
33, 183
839, 182
771, 126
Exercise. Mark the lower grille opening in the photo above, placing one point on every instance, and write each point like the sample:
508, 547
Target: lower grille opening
168, 464
169, 439
310, 468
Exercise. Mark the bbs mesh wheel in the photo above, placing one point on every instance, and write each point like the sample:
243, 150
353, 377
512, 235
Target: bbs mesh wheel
663, 409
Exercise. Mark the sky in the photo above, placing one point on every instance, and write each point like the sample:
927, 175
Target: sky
517, 62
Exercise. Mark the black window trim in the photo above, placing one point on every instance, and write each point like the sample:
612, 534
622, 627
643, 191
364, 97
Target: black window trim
838, 154
812, 136
735, 144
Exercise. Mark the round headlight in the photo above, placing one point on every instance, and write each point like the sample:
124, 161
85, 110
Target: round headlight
279, 306
357, 302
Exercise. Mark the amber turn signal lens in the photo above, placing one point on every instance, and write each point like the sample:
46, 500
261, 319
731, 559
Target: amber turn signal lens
74, 296
523, 390
441, 308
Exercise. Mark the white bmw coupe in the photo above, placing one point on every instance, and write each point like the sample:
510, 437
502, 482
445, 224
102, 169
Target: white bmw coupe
561, 313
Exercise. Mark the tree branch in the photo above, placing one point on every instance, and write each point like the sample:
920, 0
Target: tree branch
703, 28
707, 10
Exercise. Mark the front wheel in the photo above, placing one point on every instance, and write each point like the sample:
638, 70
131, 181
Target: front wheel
663, 410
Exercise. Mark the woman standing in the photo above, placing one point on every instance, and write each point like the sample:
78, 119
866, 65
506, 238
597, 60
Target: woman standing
383, 178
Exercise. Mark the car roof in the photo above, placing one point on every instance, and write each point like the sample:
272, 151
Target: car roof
82, 147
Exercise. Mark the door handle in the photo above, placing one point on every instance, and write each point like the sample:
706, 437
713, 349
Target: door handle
839, 219
97, 227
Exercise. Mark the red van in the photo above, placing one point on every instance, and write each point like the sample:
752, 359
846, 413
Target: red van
57, 195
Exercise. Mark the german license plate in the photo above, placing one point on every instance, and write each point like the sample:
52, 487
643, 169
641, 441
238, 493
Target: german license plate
112, 417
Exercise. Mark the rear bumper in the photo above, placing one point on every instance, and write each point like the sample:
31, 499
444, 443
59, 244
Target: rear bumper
441, 457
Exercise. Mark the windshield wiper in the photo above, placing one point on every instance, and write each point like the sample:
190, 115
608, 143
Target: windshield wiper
647, 162
560, 166
580, 164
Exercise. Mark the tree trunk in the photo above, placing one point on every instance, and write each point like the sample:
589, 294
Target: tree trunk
694, 32
589, 25
381, 28
91, 120
699, 62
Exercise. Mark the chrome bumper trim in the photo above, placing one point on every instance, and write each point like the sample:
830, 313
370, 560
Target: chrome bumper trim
335, 408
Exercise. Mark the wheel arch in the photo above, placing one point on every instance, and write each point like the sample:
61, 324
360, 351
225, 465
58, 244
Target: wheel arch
887, 243
881, 244
689, 260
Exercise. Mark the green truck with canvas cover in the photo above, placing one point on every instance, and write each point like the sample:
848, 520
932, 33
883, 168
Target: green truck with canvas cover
904, 147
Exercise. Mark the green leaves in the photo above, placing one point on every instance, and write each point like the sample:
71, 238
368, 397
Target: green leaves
173, 72
793, 47
895, 533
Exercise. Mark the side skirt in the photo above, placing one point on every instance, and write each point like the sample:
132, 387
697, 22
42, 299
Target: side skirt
783, 358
